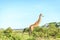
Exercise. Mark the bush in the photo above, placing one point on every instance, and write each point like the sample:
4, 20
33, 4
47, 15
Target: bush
31, 39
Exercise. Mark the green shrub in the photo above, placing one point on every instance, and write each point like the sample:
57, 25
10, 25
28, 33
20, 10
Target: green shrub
31, 39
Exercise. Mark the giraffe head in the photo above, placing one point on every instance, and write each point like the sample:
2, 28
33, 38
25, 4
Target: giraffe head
41, 15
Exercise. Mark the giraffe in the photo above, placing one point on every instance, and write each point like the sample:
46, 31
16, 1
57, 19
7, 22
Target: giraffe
36, 24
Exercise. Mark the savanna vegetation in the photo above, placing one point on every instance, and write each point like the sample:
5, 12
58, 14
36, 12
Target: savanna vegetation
49, 31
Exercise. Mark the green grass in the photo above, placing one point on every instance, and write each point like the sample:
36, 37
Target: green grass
25, 36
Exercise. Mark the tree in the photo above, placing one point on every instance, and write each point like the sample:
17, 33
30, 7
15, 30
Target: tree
8, 32
52, 30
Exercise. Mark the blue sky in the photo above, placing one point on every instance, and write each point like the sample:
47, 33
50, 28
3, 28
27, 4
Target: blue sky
19, 14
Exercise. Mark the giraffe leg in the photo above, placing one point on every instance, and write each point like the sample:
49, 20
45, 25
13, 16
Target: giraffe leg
30, 32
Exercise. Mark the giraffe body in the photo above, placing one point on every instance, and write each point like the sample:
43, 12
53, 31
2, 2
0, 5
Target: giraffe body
36, 24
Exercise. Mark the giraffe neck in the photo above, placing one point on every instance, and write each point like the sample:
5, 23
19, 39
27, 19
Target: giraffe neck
38, 21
